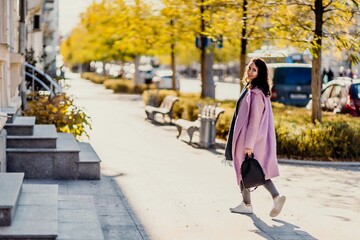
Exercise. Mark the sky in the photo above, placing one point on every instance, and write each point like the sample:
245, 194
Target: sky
69, 14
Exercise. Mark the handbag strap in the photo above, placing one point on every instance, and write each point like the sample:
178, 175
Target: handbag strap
247, 157
243, 185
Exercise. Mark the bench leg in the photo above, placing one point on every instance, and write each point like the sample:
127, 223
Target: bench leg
152, 117
190, 132
164, 117
179, 128
147, 115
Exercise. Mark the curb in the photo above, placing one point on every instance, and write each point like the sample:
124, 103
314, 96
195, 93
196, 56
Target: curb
319, 163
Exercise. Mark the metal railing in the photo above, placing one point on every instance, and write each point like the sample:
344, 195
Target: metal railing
49, 85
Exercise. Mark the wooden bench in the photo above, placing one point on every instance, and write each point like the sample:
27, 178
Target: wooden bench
209, 112
166, 108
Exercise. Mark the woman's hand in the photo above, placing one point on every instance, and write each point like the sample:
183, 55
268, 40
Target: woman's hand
248, 151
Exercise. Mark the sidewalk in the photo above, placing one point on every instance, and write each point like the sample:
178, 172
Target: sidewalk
114, 213
176, 191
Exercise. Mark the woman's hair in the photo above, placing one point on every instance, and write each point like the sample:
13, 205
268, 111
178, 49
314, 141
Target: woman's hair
262, 80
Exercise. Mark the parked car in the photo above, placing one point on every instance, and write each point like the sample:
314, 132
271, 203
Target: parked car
341, 95
292, 83
163, 79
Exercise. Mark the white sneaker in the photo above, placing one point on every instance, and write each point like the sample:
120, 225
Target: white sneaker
242, 208
279, 202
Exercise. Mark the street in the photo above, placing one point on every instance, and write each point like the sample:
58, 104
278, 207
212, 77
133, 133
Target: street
223, 90
178, 191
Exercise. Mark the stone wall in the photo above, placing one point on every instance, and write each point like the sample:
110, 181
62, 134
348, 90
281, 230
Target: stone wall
3, 135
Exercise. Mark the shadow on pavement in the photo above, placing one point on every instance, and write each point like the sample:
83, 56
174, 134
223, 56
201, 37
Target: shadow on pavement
284, 231
118, 218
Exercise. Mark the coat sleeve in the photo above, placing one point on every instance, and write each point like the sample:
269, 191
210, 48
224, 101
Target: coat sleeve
256, 110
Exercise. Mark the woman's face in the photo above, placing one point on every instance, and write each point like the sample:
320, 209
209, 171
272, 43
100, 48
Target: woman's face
252, 71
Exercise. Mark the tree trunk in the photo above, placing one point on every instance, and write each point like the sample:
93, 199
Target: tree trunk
173, 66
209, 90
207, 81
316, 88
243, 44
242, 61
173, 63
137, 77
316, 82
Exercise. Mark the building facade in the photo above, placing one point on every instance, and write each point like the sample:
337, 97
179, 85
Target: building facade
28, 32
11, 59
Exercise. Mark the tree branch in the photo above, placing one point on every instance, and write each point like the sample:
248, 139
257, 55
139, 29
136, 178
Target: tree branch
301, 4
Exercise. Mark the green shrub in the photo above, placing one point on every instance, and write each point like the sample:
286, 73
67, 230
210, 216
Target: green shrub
223, 124
140, 88
60, 111
95, 78
119, 85
327, 141
186, 108
154, 97
126, 86
297, 137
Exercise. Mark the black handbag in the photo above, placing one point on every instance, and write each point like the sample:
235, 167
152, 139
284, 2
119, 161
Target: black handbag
251, 172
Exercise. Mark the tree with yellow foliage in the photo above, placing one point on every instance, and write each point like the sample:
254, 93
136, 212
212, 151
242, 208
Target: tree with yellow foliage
318, 25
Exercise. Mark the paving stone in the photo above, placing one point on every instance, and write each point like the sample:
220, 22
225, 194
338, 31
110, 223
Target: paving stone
78, 218
118, 219
123, 233
38, 199
75, 204
80, 231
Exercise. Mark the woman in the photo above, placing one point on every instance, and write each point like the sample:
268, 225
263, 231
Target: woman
252, 131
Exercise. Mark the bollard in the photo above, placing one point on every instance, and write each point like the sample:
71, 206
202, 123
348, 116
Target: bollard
205, 132
212, 126
206, 126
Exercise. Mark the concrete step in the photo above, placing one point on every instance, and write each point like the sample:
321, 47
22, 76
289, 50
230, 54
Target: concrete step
36, 216
89, 163
44, 136
11, 112
78, 218
10, 189
21, 126
46, 163
3, 136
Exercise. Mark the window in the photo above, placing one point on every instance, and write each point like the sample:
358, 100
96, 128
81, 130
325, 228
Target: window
36, 22
336, 91
355, 90
292, 76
